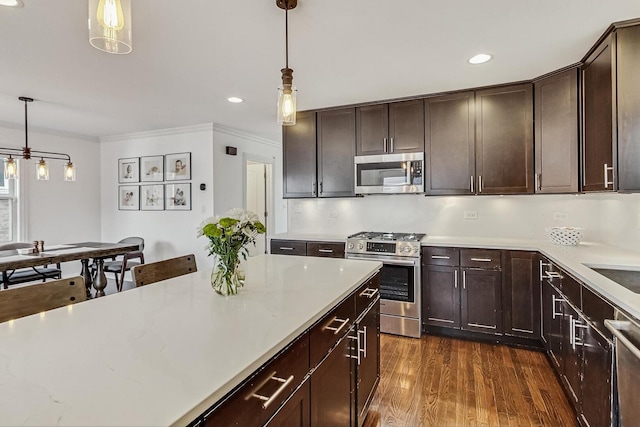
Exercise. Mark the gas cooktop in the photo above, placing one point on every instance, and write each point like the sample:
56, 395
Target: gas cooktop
385, 244
392, 237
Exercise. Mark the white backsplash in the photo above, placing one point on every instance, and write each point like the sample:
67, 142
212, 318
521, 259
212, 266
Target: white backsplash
607, 217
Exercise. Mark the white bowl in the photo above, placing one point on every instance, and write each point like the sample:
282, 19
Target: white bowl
566, 236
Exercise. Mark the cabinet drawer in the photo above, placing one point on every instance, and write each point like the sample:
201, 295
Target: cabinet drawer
289, 247
328, 331
325, 249
596, 310
367, 294
572, 289
433, 255
480, 258
274, 383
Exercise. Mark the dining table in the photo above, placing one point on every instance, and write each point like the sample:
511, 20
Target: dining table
83, 252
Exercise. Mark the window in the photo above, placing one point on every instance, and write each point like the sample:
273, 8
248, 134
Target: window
8, 210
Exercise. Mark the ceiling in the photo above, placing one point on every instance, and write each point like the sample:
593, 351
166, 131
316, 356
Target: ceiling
189, 56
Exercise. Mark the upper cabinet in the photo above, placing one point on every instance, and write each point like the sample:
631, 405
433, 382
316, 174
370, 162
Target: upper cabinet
336, 149
611, 112
299, 157
557, 122
390, 128
504, 140
449, 123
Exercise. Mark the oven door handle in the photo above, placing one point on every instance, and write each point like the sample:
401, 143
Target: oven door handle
384, 260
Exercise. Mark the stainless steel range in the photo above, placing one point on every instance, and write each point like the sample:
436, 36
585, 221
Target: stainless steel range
399, 277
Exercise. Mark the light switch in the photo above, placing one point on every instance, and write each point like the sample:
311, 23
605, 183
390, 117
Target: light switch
470, 214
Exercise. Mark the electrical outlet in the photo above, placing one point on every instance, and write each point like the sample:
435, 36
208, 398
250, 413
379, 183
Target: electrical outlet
470, 214
559, 216
297, 208
333, 214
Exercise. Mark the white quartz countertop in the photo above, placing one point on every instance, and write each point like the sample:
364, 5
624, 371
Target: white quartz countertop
162, 354
311, 237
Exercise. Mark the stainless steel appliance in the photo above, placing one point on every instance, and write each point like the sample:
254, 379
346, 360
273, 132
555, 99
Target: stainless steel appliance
389, 173
627, 349
399, 277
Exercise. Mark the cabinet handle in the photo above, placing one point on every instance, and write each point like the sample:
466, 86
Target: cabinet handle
538, 181
455, 281
440, 257
268, 400
284, 248
369, 292
326, 251
479, 183
606, 176
385, 144
552, 275
313, 189
464, 279
364, 341
391, 145
321, 187
555, 300
575, 325
472, 191
336, 330
481, 259
541, 273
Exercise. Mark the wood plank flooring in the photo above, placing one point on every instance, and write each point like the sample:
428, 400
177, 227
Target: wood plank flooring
437, 381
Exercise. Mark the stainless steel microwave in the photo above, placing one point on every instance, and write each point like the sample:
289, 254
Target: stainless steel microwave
389, 173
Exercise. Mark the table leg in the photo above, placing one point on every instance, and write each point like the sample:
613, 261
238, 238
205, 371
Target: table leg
100, 281
86, 275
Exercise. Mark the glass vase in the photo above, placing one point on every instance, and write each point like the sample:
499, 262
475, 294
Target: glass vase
227, 280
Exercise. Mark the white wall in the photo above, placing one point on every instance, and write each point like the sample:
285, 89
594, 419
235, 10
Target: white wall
607, 217
57, 211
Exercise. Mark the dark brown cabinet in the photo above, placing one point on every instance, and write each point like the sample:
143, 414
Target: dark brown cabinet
441, 296
481, 301
295, 412
325, 249
336, 150
304, 248
597, 358
521, 294
390, 128
504, 139
552, 323
288, 247
368, 366
557, 122
449, 123
570, 354
299, 157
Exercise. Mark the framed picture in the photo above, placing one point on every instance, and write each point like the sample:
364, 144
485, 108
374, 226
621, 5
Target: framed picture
152, 197
178, 196
129, 197
177, 167
129, 170
152, 169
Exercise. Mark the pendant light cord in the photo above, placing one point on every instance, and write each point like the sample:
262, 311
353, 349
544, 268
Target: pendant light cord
286, 35
26, 132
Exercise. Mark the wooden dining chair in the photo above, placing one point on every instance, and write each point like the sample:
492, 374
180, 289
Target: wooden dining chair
162, 270
32, 299
30, 274
120, 265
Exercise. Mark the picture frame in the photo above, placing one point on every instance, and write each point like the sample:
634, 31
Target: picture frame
129, 197
152, 197
177, 196
129, 170
152, 168
177, 167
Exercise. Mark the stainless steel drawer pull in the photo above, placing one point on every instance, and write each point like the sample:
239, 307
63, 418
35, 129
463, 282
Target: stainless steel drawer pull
481, 259
369, 292
363, 350
342, 325
575, 324
440, 257
607, 183
284, 248
555, 300
479, 183
552, 275
543, 264
268, 400
326, 251
472, 190
455, 282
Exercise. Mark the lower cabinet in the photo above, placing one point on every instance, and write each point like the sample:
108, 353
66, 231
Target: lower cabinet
368, 360
441, 296
521, 294
310, 248
552, 323
295, 412
481, 301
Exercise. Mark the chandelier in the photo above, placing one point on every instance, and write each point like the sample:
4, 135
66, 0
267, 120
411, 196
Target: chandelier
42, 169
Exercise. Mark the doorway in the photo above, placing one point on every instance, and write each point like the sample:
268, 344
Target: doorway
258, 196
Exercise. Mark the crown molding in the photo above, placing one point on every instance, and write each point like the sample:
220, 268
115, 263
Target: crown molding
45, 131
242, 134
159, 132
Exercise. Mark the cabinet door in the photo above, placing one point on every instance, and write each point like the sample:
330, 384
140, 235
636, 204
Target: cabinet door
598, 100
295, 412
450, 144
299, 157
597, 362
406, 126
325, 249
552, 323
556, 133
504, 139
332, 387
481, 301
441, 296
369, 367
571, 354
372, 124
521, 294
628, 87
336, 149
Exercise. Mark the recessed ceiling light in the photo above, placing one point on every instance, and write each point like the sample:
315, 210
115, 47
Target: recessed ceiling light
11, 3
235, 99
480, 58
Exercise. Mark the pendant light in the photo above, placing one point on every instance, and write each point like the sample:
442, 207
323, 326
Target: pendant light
287, 92
42, 168
110, 25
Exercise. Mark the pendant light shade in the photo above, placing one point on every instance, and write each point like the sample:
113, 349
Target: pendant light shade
10, 168
69, 172
42, 171
110, 25
287, 92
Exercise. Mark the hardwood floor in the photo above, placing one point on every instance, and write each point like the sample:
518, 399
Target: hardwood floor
437, 381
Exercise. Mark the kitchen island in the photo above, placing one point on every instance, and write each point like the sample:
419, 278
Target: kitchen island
164, 353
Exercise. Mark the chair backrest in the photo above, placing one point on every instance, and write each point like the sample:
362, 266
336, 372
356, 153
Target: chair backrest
14, 246
135, 240
31, 299
146, 274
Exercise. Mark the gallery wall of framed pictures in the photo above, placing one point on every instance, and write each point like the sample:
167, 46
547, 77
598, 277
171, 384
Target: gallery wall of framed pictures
155, 183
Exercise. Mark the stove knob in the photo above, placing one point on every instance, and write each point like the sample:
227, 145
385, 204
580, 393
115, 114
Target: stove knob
350, 246
407, 249
360, 246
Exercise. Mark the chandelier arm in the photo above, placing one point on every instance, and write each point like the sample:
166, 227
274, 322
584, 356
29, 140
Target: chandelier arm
51, 155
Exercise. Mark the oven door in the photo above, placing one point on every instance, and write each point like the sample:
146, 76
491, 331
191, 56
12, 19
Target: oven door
399, 284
